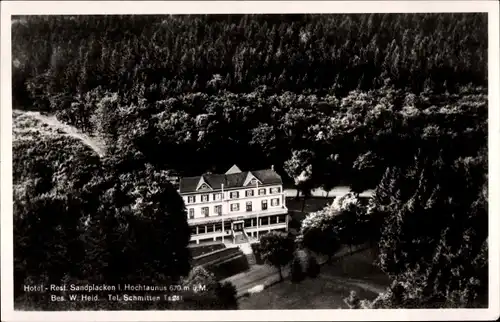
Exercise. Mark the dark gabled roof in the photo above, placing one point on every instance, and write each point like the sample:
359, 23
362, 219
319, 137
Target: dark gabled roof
233, 180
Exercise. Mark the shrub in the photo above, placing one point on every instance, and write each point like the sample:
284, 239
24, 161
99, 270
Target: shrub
312, 267
353, 301
296, 272
257, 253
226, 293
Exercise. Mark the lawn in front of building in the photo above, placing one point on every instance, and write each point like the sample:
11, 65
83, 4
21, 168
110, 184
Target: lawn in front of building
312, 204
354, 273
319, 293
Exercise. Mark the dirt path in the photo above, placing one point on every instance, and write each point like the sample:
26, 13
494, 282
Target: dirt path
67, 129
265, 276
369, 286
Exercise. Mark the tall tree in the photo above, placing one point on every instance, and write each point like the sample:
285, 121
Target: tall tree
80, 219
435, 236
277, 249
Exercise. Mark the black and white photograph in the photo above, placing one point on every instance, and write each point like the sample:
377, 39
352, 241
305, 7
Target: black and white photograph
237, 162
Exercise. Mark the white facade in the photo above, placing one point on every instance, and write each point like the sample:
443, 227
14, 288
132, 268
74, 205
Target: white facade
230, 204
223, 214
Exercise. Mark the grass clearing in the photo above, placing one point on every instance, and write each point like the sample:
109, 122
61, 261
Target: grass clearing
327, 291
359, 266
319, 293
312, 204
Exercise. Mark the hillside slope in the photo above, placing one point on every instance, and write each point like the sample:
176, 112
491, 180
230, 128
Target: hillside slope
28, 125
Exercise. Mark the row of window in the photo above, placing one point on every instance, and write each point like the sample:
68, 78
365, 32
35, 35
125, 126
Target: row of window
234, 207
248, 223
234, 194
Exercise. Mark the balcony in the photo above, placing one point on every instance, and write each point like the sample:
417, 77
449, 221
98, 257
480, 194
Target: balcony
239, 215
266, 227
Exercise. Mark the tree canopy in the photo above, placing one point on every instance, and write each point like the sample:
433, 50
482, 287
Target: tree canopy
396, 102
165, 55
265, 87
277, 248
78, 220
434, 241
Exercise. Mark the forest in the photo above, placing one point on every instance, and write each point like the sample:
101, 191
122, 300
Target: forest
395, 102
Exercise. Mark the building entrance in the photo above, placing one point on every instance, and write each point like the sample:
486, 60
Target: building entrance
238, 226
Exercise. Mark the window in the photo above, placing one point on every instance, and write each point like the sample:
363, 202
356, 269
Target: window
275, 202
275, 190
264, 204
204, 211
234, 195
204, 198
235, 206
191, 213
217, 196
249, 193
191, 199
262, 191
253, 181
218, 210
249, 206
204, 187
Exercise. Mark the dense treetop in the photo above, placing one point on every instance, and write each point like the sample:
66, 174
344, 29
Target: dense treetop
165, 55
260, 86
77, 219
393, 101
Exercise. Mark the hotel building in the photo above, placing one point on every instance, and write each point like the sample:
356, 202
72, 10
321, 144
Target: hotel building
234, 207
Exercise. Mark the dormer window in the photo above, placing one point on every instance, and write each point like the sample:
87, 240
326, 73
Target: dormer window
204, 187
251, 180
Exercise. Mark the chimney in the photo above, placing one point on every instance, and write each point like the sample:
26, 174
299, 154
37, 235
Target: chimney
272, 167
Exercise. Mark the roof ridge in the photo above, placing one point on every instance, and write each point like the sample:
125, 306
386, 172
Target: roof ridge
204, 175
233, 180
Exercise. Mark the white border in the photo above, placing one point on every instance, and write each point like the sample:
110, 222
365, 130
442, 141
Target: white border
9, 8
